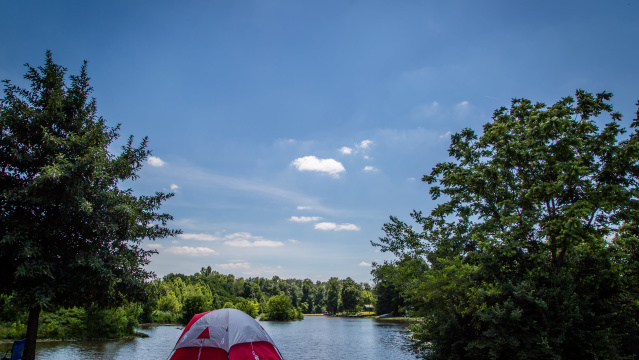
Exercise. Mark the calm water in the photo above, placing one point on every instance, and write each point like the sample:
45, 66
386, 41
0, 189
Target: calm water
314, 338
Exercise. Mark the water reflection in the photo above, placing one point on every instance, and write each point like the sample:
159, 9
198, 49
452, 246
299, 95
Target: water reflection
319, 338
315, 338
157, 346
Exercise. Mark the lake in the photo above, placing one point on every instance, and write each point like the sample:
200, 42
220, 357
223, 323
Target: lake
314, 338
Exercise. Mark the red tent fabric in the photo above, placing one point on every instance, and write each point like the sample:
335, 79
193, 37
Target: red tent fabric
228, 334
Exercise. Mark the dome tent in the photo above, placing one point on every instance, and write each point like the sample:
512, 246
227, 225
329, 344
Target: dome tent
228, 334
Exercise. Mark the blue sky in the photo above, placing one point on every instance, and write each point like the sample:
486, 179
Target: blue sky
290, 130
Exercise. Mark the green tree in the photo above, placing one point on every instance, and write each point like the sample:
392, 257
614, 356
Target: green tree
389, 297
531, 252
249, 306
394, 279
351, 294
280, 307
307, 296
195, 303
368, 298
68, 234
111, 323
169, 303
332, 295
319, 297
252, 291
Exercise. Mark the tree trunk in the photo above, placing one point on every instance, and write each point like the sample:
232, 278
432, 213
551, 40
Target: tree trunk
32, 333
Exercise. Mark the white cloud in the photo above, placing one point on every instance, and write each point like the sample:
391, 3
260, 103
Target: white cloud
312, 163
293, 241
365, 144
325, 226
360, 147
174, 187
191, 251
346, 150
238, 239
256, 243
333, 226
369, 168
364, 263
305, 218
303, 208
233, 266
199, 237
155, 161
244, 239
446, 135
347, 227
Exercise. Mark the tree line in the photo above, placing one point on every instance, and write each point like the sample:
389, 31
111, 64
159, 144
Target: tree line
175, 298
178, 297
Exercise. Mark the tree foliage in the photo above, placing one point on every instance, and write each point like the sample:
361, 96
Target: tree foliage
532, 251
69, 235
280, 307
351, 295
333, 295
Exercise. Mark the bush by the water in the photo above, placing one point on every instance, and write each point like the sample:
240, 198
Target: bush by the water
77, 322
280, 307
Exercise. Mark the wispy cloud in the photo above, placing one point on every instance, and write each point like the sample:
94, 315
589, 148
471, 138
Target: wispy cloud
256, 243
238, 239
365, 144
369, 168
304, 208
190, 251
155, 161
427, 110
326, 226
311, 163
359, 147
437, 112
152, 246
199, 237
305, 218
174, 187
364, 263
233, 266
199, 177
244, 239
463, 108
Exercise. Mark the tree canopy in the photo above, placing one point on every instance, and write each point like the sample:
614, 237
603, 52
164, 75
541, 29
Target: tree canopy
532, 251
69, 235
